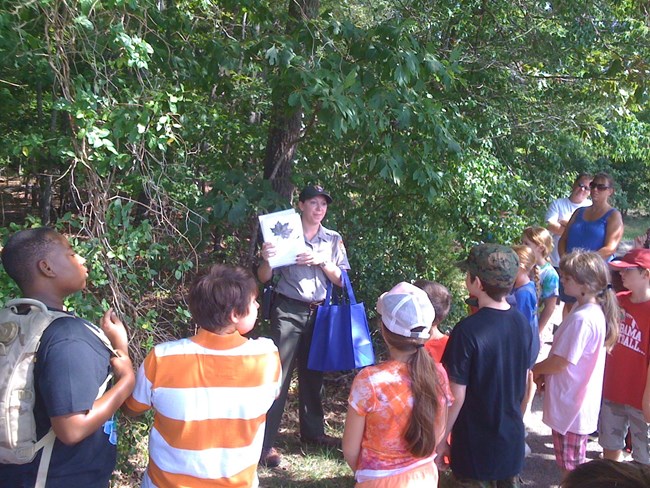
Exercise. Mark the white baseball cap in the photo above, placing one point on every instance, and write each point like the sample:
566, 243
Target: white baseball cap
407, 311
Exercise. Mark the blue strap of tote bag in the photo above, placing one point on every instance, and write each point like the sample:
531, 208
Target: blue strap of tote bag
341, 338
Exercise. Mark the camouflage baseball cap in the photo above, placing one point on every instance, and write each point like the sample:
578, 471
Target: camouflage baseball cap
494, 264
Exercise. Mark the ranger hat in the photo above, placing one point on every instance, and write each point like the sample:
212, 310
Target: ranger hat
494, 264
407, 311
636, 258
312, 191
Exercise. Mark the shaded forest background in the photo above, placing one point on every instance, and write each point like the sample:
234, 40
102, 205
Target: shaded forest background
154, 132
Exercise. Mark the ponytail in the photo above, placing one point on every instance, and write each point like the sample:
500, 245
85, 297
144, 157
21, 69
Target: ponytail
420, 435
608, 302
534, 277
528, 262
426, 391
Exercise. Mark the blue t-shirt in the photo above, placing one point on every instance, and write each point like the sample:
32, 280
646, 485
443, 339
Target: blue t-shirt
489, 353
71, 364
526, 298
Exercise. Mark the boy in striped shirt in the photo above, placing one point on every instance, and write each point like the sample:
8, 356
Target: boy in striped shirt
210, 392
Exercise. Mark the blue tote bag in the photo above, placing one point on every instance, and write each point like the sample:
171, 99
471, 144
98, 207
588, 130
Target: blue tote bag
341, 339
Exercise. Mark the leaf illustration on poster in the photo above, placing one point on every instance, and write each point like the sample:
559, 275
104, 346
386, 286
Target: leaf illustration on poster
281, 230
284, 230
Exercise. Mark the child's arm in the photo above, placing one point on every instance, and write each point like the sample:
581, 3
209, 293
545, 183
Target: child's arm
561, 245
645, 402
551, 365
547, 312
355, 424
458, 393
128, 412
75, 427
443, 450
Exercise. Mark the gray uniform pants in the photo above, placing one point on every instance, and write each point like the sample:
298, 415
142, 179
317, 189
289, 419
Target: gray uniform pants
291, 329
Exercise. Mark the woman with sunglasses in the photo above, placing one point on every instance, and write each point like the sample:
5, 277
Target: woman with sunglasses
597, 228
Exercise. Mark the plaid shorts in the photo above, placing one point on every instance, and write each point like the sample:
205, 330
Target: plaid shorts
570, 449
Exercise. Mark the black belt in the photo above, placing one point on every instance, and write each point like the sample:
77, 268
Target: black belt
309, 305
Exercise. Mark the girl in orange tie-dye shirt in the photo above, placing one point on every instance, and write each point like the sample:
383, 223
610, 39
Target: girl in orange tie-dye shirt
397, 409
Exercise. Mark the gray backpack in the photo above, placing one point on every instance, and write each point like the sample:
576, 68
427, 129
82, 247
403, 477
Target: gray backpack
20, 336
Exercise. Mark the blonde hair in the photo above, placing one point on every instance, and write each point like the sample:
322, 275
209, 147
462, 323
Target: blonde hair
527, 262
590, 270
540, 237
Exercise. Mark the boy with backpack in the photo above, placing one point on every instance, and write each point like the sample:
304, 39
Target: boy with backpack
487, 359
210, 392
70, 369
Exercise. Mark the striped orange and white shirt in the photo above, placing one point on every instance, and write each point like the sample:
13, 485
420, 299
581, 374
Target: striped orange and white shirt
210, 394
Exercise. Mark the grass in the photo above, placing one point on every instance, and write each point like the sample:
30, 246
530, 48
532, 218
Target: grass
635, 225
307, 465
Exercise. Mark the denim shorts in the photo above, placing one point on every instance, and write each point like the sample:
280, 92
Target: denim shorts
615, 419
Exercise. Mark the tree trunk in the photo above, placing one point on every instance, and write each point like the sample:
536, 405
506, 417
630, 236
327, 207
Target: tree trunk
46, 199
286, 122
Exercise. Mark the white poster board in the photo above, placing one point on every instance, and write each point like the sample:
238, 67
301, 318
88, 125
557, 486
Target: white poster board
284, 230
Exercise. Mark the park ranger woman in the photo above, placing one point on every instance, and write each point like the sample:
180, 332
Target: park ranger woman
300, 289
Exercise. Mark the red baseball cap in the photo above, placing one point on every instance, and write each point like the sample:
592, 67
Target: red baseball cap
636, 258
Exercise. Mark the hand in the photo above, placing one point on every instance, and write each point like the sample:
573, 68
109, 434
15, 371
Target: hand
115, 330
308, 258
443, 454
268, 251
122, 366
539, 381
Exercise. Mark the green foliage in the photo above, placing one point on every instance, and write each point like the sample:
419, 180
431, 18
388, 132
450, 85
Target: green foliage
435, 125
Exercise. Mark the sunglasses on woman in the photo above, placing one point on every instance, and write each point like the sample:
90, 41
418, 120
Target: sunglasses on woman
598, 186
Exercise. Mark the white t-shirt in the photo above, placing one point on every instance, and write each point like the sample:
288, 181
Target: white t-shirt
561, 209
572, 399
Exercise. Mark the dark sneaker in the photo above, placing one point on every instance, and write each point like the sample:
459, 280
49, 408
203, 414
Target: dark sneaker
270, 457
323, 441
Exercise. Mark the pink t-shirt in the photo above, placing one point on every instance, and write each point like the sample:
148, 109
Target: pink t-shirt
382, 394
572, 398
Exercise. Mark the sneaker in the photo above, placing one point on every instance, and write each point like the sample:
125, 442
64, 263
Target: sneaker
270, 457
323, 441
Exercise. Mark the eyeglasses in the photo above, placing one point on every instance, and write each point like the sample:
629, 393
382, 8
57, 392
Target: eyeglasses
598, 186
583, 187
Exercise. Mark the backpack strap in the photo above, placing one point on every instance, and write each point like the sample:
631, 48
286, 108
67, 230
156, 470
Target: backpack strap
47, 444
102, 337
